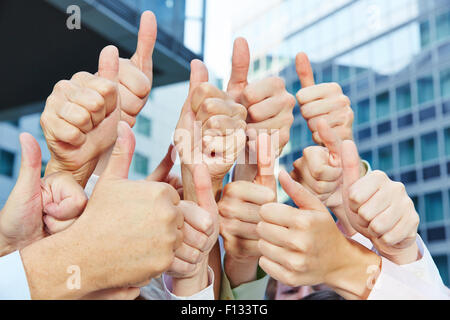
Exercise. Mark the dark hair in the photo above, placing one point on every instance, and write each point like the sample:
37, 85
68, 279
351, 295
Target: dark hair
323, 295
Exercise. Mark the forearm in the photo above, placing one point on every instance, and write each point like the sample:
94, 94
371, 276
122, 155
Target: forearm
356, 277
47, 265
403, 256
240, 272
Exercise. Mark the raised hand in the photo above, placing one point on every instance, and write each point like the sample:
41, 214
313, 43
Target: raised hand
80, 118
379, 209
222, 137
268, 103
201, 230
32, 197
239, 216
304, 247
136, 73
144, 222
323, 101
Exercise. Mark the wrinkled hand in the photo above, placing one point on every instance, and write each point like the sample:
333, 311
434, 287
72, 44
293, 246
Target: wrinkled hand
380, 209
21, 219
134, 225
323, 101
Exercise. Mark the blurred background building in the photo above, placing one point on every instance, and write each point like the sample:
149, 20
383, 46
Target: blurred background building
392, 58
42, 51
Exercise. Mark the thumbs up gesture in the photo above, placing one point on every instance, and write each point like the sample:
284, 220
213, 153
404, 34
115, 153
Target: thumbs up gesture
268, 103
304, 246
80, 118
210, 128
143, 227
323, 101
57, 196
239, 216
379, 209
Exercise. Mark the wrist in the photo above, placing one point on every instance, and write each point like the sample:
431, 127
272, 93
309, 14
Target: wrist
354, 277
5, 246
240, 271
66, 277
81, 175
401, 256
185, 287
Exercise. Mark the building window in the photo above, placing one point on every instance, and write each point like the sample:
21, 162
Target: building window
6, 163
409, 177
425, 89
404, 97
425, 34
383, 109
429, 144
367, 156
447, 141
434, 210
327, 74
144, 126
443, 25
427, 114
385, 161
363, 111
256, 65
269, 60
431, 172
140, 164
436, 234
384, 128
442, 264
445, 83
344, 73
405, 121
407, 153
365, 134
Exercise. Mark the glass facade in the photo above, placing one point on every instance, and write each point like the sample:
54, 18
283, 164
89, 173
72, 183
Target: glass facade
392, 58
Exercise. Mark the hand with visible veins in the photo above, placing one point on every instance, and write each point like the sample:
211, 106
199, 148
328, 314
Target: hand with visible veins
379, 209
126, 236
269, 108
239, 216
304, 246
323, 101
34, 199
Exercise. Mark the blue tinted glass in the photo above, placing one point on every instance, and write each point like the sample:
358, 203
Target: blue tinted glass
6, 163
363, 108
429, 144
407, 153
434, 209
404, 97
385, 160
425, 88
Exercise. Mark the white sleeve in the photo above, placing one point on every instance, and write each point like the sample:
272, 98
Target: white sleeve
417, 280
397, 283
90, 185
13, 279
159, 289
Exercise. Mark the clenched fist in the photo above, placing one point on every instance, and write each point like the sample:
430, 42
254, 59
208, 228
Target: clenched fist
380, 209
80, 118
323, 101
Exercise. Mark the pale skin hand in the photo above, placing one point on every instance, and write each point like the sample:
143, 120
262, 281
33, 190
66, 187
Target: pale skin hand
304, 246
80, 118
319, 170
113, 248
323, 101
201, 230
32, 197
185, 144
133, 81
239, 216
57, 221
268, 103
380, 209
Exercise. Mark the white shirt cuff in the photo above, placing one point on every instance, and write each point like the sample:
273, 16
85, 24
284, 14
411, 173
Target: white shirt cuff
13, 279
205, 294
90, 185
159, 290
397, 283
